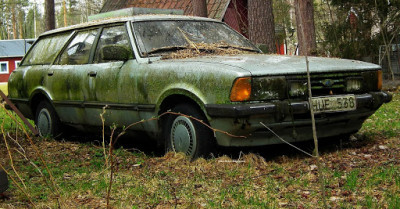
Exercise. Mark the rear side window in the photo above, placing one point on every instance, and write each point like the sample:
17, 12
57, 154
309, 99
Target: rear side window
78, 51
46, 49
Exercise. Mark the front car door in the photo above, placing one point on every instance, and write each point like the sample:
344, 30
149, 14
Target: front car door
113, 61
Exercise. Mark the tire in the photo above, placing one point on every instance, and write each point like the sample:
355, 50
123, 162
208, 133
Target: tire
3, 181
186, 135
47, 121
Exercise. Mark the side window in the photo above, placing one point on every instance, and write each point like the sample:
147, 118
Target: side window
78, 51
113, 45
4, 68
46, 49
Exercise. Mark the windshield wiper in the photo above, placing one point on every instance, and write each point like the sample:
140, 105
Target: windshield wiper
225, 46
165, 49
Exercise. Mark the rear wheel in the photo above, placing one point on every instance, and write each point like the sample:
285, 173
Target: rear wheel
184, 134
47, 121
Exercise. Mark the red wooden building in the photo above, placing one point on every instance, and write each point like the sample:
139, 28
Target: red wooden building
232, 12
11, 53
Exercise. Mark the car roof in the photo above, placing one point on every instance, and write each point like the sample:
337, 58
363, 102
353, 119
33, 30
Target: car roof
137, 18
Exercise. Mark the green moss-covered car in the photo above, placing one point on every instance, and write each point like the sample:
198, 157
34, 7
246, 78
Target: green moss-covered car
143, 66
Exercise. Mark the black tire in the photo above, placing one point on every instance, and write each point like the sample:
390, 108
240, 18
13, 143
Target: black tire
186, 135
3, 181
47, 121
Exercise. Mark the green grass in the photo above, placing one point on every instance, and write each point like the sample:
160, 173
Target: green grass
363, 174
386, 121
3, 87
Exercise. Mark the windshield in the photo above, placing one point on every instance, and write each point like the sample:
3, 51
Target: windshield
156, 38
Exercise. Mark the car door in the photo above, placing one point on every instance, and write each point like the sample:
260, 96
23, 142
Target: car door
113, 61
67, 77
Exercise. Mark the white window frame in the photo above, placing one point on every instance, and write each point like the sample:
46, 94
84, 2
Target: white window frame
17, 62
8, 67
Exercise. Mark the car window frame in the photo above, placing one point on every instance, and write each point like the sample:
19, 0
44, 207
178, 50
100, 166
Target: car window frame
125, 24
75, 33
96, 41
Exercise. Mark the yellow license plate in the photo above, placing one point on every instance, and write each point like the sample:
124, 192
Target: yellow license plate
341, 103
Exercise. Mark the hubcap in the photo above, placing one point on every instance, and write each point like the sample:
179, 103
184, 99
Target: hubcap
44, 122
183, 136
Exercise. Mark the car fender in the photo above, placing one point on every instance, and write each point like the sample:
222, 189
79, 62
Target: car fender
183, 89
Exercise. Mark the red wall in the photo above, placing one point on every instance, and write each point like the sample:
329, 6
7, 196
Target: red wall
11, 67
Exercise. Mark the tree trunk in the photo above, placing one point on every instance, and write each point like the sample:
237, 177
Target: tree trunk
199, 8
305, 21
261, 25
49, 15
21, 26
14, 22
65, 13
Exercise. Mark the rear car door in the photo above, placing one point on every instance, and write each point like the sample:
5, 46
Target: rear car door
67, 77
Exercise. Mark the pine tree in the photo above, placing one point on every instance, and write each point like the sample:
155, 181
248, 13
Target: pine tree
261, 24
305, 27
199, 8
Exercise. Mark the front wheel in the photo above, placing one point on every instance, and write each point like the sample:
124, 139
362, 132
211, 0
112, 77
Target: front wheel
184, 134
47, 121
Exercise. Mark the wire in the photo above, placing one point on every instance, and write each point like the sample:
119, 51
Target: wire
280, 138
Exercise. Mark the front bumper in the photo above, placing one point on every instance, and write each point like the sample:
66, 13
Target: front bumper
290, 120
371, 100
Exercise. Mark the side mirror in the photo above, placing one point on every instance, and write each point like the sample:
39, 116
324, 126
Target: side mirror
115, 53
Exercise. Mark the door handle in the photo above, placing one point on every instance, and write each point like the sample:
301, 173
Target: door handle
92, 74
50, 73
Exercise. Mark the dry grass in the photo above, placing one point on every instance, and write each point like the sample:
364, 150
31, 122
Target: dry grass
363, 171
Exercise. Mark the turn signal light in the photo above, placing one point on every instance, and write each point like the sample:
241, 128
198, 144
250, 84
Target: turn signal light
379, 74
241, 90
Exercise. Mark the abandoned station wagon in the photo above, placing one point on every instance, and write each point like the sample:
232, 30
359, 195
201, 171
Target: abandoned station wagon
141, 67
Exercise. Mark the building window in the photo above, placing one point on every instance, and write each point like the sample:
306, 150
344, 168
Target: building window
17, 63
4, 68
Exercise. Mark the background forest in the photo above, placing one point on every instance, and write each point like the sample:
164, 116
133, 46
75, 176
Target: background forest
25, 18
348, 29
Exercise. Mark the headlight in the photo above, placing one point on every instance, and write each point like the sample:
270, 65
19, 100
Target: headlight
267, 88
353, 84
298, 88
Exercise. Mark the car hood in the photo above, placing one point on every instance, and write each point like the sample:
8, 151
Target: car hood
261, 64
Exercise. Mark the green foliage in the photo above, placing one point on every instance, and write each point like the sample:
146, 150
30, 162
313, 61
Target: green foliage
361, 38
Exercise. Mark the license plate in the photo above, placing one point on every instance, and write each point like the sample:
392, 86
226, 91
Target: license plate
341, 103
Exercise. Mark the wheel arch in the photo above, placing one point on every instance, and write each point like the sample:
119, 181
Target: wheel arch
36, 97
174, 97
